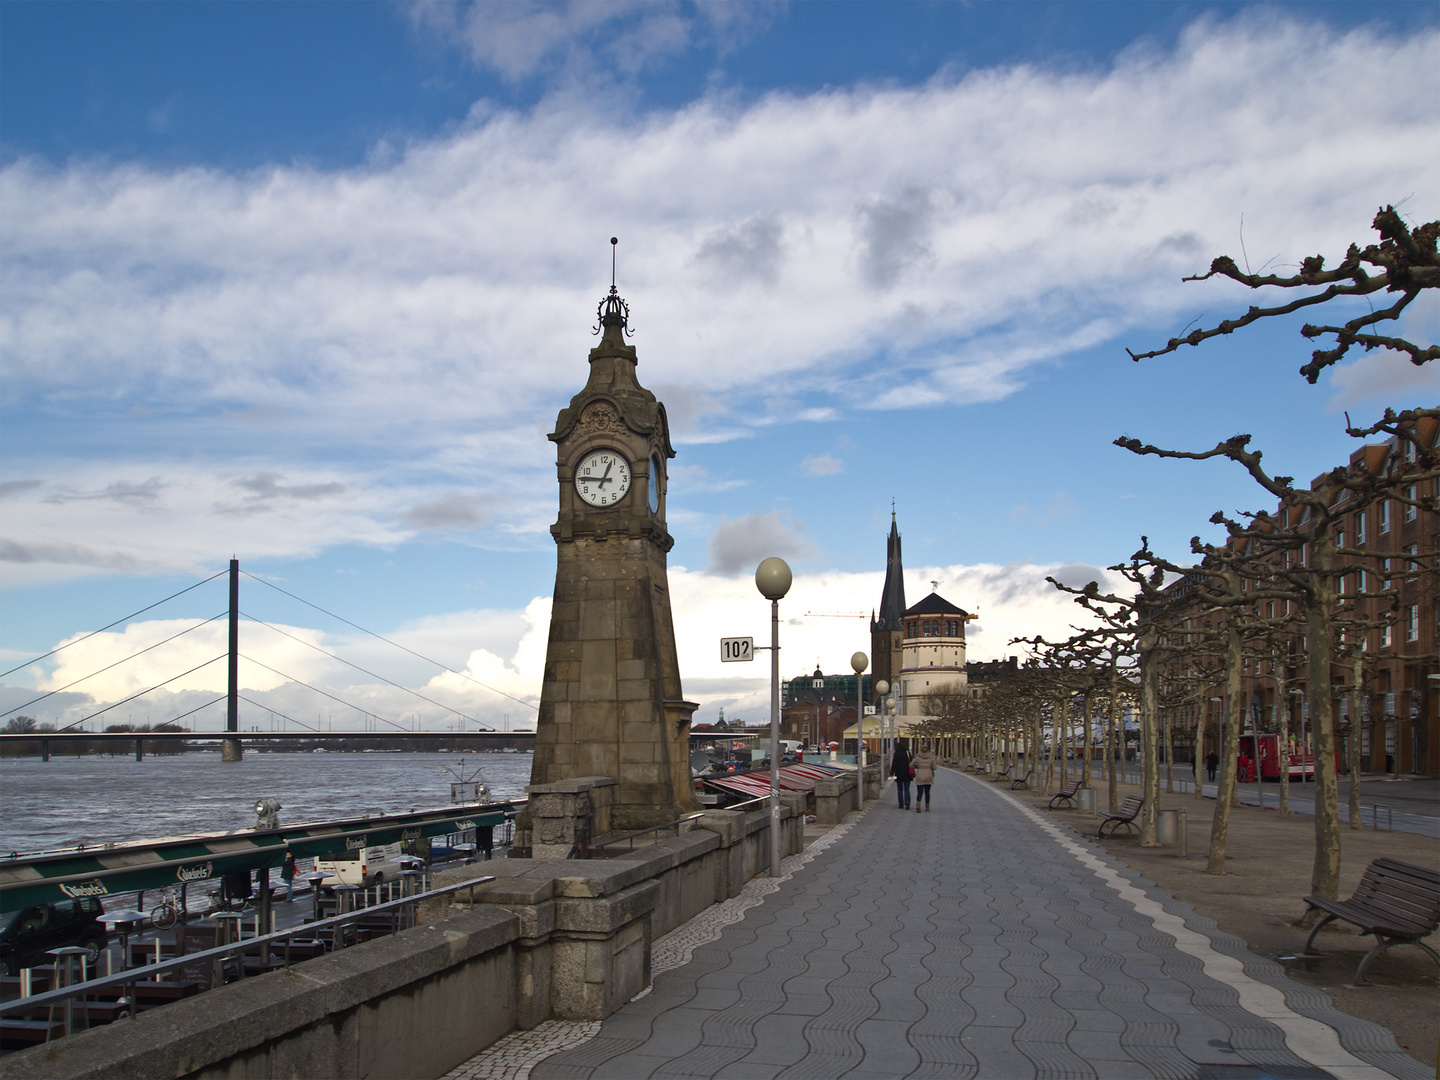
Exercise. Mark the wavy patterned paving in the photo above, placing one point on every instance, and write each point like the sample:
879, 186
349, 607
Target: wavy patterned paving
973, 941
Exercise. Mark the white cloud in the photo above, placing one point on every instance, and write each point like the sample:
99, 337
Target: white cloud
505, 650
518, 39
906, 246
822, 465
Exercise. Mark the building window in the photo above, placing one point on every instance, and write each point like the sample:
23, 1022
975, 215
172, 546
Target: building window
1384, 516
1412, 623
1413, 565
1409, 506
1360, 582
1386, 636
1384, 574
1360, 527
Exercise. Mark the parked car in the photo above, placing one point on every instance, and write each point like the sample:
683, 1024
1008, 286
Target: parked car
32, 932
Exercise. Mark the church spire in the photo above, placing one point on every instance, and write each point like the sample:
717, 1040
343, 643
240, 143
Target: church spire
892, 599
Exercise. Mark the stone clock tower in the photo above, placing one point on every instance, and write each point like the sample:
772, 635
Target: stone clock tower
611, 704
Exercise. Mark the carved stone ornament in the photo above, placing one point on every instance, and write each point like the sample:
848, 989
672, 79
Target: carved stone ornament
601, 417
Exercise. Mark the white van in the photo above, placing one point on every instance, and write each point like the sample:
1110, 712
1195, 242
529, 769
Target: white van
363, 866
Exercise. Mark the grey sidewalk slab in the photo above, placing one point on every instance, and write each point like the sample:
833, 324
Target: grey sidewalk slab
977, 941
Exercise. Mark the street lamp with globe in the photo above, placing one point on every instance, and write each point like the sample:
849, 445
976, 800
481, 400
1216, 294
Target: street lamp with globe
886, 750
859, 662
773, 579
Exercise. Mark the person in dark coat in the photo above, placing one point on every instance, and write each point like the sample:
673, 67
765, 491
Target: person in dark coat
900, 770
1212, 762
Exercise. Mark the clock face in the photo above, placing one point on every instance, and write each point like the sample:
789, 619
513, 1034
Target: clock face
602, 478
654, 485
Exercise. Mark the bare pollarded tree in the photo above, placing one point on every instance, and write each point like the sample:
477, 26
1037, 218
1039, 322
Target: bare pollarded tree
1305, 534
1404, 263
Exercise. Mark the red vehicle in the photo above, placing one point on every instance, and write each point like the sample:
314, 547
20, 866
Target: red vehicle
1302, 765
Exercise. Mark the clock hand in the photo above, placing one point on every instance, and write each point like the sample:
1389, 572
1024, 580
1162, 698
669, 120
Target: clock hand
602, 481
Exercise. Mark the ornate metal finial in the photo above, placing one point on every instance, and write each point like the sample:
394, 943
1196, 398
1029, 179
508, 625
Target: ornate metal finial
612, 311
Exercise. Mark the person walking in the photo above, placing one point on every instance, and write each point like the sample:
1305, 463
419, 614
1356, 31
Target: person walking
924, 769
1212, 762
900, 770
287, 872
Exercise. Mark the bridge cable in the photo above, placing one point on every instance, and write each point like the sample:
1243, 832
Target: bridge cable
363, 671
387, 641
62, 689
278, 713
142, 693
117, 622
322, 693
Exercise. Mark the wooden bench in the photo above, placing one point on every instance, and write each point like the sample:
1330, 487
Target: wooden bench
1022, 781
1126, 815
1396, 901
1001, 777
1066, 794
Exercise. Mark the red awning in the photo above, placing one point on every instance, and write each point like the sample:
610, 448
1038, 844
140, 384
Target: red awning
802, 777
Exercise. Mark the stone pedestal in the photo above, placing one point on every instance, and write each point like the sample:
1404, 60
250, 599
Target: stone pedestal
834, 799
561, 813
872, 783
230, 750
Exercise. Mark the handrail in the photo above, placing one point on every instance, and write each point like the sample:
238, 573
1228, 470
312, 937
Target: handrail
151, 971
672, 824
644, 832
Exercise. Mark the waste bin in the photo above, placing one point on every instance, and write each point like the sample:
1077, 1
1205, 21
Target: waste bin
1167, 826
1085, 800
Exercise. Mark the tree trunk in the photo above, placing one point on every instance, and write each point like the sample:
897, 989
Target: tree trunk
1112, 738
1149, 735
1357, 734
1201, 735
1282, 691
1169, 750
1085, 723
1319, 632
1229, 750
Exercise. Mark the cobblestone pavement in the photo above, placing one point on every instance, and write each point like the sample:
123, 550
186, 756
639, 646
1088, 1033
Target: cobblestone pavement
978, 940
514, 1056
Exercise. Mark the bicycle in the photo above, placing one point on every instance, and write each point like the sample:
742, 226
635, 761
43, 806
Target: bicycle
168, 912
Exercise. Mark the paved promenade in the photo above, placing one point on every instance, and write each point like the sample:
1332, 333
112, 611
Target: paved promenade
978, 940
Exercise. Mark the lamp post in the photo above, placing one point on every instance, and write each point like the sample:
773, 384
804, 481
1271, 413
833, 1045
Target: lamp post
859, 662
882, 688
773, 579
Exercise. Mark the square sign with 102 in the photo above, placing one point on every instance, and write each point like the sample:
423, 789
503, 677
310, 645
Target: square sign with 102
737, 648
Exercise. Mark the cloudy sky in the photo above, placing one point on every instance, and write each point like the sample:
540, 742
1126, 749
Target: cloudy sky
306, 284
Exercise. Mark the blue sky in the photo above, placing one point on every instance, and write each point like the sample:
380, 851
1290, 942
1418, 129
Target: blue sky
307, 284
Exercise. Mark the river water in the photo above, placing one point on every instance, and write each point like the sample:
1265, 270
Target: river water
90, 800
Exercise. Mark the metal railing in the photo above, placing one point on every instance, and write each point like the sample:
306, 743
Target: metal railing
632, 837
1375, 809
233, 951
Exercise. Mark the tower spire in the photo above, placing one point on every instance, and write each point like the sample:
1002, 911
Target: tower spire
612, 310
892, 598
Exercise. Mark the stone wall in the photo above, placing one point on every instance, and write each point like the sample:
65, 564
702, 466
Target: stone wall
413, 1004
567, 939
